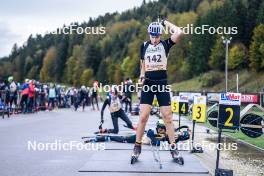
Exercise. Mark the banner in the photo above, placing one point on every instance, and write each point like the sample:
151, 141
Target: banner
213, 97
190, 95
249, 98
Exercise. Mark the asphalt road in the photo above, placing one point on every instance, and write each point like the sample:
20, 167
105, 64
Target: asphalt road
61, 126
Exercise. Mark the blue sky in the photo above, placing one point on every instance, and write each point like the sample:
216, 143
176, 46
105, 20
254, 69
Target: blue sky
19, 19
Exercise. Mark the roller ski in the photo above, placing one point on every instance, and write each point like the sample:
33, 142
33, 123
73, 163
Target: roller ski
156, 154
177, 158
135, 154
90, 140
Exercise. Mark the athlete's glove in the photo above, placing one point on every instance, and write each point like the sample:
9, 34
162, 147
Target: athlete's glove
163, 22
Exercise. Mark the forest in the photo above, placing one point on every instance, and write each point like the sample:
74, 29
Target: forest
79, 59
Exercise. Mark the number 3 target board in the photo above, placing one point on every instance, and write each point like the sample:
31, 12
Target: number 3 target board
229, 111
199, 109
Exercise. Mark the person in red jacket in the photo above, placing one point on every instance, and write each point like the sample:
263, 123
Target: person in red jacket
31, 93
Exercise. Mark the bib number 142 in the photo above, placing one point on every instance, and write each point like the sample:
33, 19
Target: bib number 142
155, 58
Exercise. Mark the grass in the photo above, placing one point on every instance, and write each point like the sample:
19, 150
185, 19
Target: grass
259, 142
248, 82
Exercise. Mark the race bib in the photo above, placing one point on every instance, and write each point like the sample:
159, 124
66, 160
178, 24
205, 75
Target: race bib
155, 58
115, 105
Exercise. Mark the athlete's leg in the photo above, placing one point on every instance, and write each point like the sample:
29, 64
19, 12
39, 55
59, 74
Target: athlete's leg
124, 117
145, 108
115, 123
167, 117
143, 118
118, 139
165, 109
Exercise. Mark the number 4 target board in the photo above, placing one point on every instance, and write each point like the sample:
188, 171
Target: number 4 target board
229, 111
183, 105
199, 109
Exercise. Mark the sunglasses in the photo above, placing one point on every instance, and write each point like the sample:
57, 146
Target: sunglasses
153, 36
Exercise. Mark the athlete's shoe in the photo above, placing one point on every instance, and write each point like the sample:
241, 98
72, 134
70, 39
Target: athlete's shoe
137, 150
136, 153
176, 155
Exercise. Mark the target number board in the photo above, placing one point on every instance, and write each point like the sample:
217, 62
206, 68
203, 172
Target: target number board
183, 105
229, 111
175, 104
199, 109
179, 104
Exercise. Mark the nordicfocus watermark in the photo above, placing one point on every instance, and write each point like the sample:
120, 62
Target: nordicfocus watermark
75, 29
205, 145
71, 29
136, 87
203, 29
58, 145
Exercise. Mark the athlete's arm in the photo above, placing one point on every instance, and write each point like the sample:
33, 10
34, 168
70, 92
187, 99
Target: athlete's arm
177, 32
142, 69
142, 62
106, 102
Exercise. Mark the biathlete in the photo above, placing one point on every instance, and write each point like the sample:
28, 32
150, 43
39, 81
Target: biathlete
154, 54
150, 137
115, 108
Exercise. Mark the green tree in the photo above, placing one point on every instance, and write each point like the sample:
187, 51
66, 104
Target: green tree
256, 51
217, 57
28, 64
33, 73
87, 77
102, 75
93, 56
118, 76
47, 71
75, 65
260, 17
237, 56
111, 66
251, 19
62, 48
69, 72
203, 7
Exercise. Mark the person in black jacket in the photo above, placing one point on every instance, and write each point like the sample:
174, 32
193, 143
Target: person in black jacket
82, 98
115, 108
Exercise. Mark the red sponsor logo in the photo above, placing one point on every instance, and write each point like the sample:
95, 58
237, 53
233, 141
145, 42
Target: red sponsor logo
232, 96
249, 98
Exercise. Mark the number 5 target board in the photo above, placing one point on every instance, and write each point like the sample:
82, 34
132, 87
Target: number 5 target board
175, 104
229, 111
199, 109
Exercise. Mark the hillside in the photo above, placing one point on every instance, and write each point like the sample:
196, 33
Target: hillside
248, 82
77, 59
